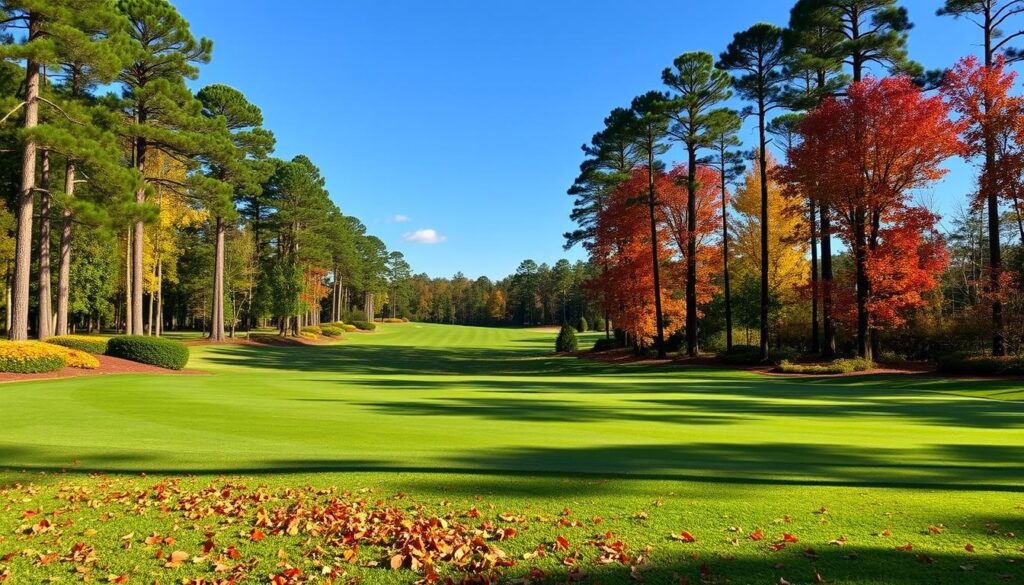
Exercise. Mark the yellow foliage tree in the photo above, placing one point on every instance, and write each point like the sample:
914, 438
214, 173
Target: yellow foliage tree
788, 265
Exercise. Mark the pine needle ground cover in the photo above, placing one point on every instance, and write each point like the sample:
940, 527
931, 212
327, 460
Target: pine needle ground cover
433, 452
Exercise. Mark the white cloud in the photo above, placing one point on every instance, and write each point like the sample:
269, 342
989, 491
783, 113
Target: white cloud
424, 236
400, 218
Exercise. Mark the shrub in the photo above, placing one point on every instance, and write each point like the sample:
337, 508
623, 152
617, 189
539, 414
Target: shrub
313, 329
582, 328
87, 343
365, 325
606, 344
31, 357
156, 351
750, 355
981, 365
842, 366
566, 341
395, 320
332, 331
76, 358
675, 342
308, 335
741, 355
598, 324
349, 328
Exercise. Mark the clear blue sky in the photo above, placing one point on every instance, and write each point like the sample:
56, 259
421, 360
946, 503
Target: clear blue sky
465, 117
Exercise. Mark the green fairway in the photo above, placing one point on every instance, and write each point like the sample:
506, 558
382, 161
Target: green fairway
489, 418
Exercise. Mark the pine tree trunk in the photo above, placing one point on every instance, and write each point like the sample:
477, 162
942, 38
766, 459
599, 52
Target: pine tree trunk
763, 160
18, 330
138, 239
651, 204
128, 284
828, 324
44, 319
159, 297
64, 267
725, 260
691, 252
217, 321
815, 326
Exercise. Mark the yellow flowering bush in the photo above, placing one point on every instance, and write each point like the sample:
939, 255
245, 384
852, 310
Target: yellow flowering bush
31, 357
77, 358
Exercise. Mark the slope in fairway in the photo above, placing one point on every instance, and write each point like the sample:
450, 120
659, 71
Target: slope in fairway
488, 417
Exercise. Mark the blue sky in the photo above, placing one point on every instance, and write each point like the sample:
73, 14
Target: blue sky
452, 128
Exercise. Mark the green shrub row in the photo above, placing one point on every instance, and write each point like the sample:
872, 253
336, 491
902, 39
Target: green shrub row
88, 343
604, 344
750, 355
981, 365
315, 330
156, 351
365, 325
841, 366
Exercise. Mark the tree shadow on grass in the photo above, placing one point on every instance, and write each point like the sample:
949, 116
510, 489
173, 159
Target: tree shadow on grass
850, 564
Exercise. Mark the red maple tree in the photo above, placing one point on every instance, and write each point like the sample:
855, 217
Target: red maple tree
865, 153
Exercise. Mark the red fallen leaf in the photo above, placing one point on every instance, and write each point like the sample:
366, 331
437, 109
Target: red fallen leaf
208, 546
684, 536
777, 546
598, 519
30, 513
757, 534
506, 533
153, 539
566, 512
936, 529
787, 537
561, 543
887, 533
117, 579
925, 559
969, 548
233, 553
256, 535
473, 512
787, 518
906, 547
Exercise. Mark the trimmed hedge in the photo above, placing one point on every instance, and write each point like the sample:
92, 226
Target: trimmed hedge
365, 325
583, 328
156, 351
31, 357
981, 365
87, 343
843, 366
566, 341
349, 328
598, 324
331, 331
315, 330
395, 320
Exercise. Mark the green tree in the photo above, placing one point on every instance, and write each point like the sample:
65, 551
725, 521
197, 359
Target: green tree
724, 127
161, 112
240, 163
758, 56
651, 131
699, 87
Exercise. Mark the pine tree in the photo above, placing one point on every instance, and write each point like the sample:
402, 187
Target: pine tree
724, 128
651, 130
240, 163
699, 87
161, 111
758, 55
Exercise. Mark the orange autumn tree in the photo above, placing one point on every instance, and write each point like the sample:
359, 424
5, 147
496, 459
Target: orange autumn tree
672, 208
992, 125
869, 150
622, 242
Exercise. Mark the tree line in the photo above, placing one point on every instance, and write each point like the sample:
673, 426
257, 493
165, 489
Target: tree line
827, 246
137, 204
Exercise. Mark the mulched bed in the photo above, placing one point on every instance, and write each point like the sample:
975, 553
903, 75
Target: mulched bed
108, 365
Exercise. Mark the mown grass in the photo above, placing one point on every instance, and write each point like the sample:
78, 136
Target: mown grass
488, 418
